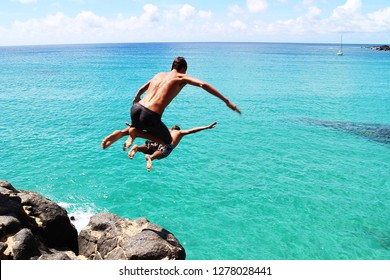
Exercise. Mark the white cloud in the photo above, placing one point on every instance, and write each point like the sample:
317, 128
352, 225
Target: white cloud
153, 24
205, 14
150, 14
83, 27
345, 18
313, 12
307, 2
169, 15
381, 19
237, 24
235, 10
256, 6
187, 12
25, 1
351, 7
85, 20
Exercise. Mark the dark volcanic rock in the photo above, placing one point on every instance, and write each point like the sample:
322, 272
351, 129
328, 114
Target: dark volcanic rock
381, 48
34, 227
25, 245
53, 222
108, 236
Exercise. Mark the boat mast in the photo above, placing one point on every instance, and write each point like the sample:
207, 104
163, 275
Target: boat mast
340, 52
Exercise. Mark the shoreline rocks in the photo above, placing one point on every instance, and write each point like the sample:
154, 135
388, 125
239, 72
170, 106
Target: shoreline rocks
34, 227
108, 236
380, 48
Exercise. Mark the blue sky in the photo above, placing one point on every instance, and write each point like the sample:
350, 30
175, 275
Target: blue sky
26, 22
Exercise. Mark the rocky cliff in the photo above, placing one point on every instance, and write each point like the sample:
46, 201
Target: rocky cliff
34, 227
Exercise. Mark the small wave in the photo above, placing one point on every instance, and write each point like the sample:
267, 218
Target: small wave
79, 215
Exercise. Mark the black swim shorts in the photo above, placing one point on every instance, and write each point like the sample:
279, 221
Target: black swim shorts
163, 148
144, 119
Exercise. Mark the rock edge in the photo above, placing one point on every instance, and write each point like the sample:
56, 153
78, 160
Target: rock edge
34, 227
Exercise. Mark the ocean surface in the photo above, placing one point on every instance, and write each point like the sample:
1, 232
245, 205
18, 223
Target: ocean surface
303, 173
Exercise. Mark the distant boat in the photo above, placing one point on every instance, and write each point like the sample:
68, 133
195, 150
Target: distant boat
340, 52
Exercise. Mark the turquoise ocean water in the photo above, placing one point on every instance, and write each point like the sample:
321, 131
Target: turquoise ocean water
272, 183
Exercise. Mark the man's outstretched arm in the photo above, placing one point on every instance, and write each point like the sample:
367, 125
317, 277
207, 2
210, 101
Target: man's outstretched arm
210, 89
197, 129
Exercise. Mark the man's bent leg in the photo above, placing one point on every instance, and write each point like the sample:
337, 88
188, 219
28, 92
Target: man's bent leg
143, 149
113, 137
154, 136
132, 151
135, 133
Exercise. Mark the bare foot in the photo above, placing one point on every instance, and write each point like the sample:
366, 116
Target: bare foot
129, 141
106, 143
132, 152
110, 139
148, 162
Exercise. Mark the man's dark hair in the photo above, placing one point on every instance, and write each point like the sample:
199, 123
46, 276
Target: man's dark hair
179, 63
175, 127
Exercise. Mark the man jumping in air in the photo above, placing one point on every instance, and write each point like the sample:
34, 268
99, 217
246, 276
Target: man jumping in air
146, 113
154, 150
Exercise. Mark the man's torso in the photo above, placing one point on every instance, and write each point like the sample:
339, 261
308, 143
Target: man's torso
163, 88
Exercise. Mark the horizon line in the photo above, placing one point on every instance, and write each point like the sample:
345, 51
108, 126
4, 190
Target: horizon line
186, 42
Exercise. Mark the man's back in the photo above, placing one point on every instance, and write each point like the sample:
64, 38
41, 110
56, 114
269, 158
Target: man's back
162, 89
165, 86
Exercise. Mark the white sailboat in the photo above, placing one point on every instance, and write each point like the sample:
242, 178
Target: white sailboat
340, 52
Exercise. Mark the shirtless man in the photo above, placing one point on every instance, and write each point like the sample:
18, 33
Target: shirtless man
146, 113
154, 150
